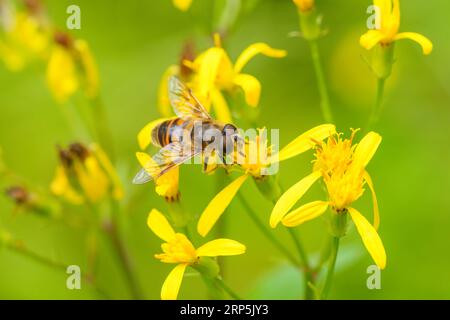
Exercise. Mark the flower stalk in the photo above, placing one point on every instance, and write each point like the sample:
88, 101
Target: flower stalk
321, 83
378, 106
111, 228
310, 22
331, 266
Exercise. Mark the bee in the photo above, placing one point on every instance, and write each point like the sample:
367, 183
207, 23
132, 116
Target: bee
185, 136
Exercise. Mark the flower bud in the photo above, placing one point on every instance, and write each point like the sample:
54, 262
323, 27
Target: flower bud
304, 5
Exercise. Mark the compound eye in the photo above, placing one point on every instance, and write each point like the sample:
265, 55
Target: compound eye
229, 130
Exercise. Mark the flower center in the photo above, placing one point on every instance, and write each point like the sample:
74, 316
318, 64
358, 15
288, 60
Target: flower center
178, 250
256, 157
343, 180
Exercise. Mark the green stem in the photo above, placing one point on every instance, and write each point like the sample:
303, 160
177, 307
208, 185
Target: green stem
227, 289
122, 254
304, 260
222, 224
92, 252
227, 16
323, 91
262, 227
307, 271
102, 127
377, 108
331, 265
300, 249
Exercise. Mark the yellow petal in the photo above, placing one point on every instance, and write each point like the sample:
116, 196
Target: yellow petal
90, 69
253, 50
208, 71
147, 163
13, 59
182, 5
305, 141
305, 213
221, 247
427, 45
220, 107
160, 226
218, 205
144, 159
251, 87
164, 107
60, 186
385, 6
103, 159
371, 38
167, 184
290, 198
370, 238
366, 149
376, 212
145, 135
171, 285
61, 74
396, 15
92, 179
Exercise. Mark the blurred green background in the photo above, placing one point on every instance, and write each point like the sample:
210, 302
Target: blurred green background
134, 41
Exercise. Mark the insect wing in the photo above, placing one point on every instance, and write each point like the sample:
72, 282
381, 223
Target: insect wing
184, 103
166, 159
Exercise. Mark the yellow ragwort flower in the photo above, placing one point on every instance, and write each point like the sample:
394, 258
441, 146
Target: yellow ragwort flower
214, 72
342, 167
71, 67
85, 173
388, 32
221, 201
24, 38
179, 250
182, 5
304, 5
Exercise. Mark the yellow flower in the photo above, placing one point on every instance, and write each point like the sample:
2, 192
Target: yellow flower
304, 5
182, 5
71, 66
85, 173
221, 201
25, 39
342, 167
179, 250
167, 185
214, 73
388, 32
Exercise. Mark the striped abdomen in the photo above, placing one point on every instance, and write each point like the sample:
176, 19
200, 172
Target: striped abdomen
162, 133
177, 129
